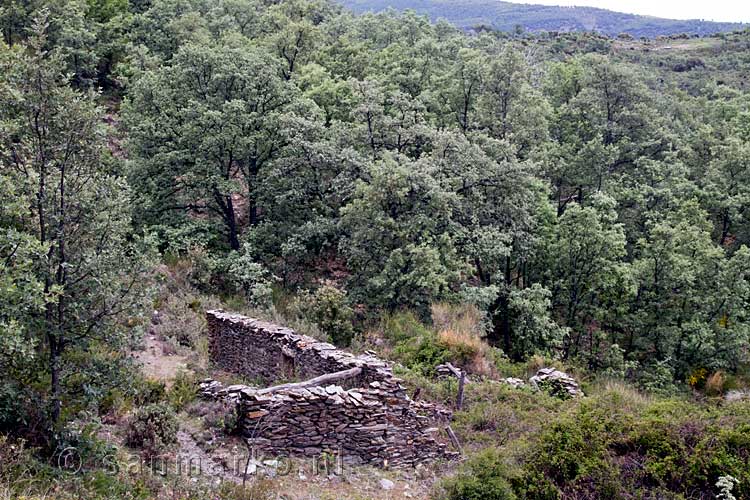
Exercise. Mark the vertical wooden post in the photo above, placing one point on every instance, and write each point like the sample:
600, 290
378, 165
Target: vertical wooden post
460, 398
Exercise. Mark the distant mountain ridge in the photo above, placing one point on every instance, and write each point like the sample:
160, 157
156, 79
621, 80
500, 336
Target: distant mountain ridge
505, 16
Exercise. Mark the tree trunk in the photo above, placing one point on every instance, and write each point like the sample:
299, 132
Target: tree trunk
501, 331
54, 368
252, 199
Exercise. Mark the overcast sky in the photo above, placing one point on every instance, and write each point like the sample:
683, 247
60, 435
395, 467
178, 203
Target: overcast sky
710, 10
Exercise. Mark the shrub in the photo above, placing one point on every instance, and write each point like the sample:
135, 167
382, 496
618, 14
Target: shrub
415, 345
422, 353
331, 313
18, 413
250, 277
183, 391
657, 377
153, 428
682, 449
403, 326
484, 477
149, 391
463, 348
219, 415
180, 322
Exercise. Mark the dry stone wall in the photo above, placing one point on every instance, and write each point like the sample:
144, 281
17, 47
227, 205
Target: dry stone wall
372, 420
268, 353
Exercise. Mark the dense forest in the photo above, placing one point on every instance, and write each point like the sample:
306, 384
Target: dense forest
511, 16
499, 200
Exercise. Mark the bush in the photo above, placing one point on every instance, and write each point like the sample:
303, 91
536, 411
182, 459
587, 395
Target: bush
403, 326
182, 320
216, 415
415, 345
421, 348
682, 449
657, 377
484, 477
331, 313
422, 353
153, 428
183, 391
19, 414
149, 391
249, 277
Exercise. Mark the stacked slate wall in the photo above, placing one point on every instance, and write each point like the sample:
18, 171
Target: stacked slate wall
369, 426
372, 420
269, 353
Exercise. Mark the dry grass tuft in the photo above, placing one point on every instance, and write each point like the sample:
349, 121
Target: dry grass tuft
715, 384
459, 328
463, 318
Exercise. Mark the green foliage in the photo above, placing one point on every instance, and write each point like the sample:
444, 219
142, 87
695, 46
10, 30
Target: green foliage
183, 391
410, 165
683, 447
587, 198
217, 139
53, 149
415, 345
250, 277
152, 428
485, 477
535, 331
329, 309
395, 238
150, 391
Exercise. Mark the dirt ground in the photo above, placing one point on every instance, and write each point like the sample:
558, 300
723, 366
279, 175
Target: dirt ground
157, 365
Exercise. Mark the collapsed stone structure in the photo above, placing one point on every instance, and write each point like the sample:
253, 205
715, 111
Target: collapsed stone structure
556, 383
550, 380
366, 417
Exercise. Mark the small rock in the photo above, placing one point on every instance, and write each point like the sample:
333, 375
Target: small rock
513, 382
737, 396
387, 484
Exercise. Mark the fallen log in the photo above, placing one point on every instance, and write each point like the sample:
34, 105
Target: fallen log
327, 379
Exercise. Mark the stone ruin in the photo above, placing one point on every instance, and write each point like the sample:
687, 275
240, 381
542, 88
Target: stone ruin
366, 417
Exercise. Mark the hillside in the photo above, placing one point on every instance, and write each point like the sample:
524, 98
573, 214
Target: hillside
265, 249
506, 16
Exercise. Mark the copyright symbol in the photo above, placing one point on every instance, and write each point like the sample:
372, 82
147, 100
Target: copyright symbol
69, 460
